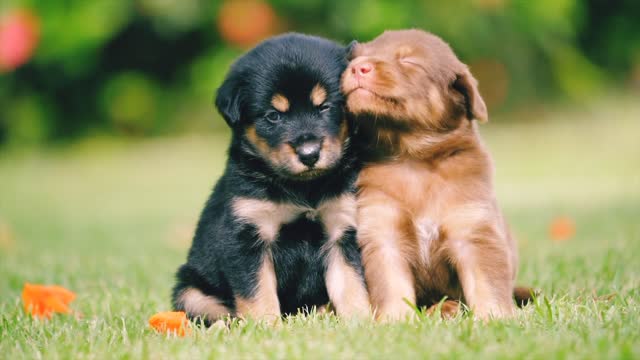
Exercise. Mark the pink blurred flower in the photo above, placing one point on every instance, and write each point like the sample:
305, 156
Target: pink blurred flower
19, 35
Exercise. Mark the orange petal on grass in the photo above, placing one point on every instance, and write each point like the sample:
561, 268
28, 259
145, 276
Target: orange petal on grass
66, 296
562, 229
42, 300
175, 322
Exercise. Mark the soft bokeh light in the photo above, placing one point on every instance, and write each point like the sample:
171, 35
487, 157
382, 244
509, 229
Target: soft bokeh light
19, 35
562, 229
245, 22
173, 15
130, 100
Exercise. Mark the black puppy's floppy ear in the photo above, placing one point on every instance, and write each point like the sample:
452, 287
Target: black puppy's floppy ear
467, 85
229, 100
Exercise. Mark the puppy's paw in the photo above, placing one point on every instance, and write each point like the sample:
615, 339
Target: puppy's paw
400, 311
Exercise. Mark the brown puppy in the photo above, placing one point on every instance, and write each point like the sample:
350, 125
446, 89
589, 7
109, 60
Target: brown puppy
428, 222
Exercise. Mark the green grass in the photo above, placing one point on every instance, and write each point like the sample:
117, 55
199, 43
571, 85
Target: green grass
111, 221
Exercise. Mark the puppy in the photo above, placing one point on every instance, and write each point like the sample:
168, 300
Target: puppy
278, 232
428, 222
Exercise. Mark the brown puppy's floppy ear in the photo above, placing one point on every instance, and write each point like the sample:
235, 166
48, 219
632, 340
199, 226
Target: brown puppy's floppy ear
467, 85
349, 49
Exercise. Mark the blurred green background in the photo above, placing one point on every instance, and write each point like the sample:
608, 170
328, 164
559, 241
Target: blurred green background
74, 68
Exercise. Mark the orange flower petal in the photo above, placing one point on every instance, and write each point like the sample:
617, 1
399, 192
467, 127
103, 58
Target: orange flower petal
171, 322
43, 301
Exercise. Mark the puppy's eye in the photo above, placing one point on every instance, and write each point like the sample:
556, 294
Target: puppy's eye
408, 61
325, 107
272, 116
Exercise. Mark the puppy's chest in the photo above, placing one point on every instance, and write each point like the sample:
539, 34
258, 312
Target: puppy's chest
420, 193
412, 184
280, 223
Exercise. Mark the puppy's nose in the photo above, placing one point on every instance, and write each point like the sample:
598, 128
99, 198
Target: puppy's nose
309, 152
362, 69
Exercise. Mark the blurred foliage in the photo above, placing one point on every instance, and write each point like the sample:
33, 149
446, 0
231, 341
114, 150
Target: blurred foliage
142, 67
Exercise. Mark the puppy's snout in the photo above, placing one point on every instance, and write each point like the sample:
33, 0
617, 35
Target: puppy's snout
362, 69
309, 151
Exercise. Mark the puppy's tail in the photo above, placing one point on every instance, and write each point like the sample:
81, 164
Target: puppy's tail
524, 295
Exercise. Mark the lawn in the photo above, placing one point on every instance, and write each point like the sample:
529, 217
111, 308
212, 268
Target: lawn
112, 219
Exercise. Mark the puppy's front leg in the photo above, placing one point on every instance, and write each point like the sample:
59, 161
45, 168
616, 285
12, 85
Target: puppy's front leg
261, 301
249, 261
387, 268
484, 269
344, 279
343, 263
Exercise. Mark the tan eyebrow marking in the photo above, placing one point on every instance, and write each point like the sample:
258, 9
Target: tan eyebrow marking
280, 102
318, 95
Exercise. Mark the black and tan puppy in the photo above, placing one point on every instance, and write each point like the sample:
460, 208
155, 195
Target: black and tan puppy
278, 232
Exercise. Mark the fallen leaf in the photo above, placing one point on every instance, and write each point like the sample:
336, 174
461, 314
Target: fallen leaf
174, 322
44, 300
562, 229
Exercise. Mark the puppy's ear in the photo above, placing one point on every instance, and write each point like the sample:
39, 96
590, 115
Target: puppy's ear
229, 100
349, 50
467, 85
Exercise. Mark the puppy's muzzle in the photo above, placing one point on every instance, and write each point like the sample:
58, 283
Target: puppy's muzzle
361, 69
308, 151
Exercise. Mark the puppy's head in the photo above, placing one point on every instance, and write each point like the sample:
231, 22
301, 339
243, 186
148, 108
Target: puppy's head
283, 101
412, 79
